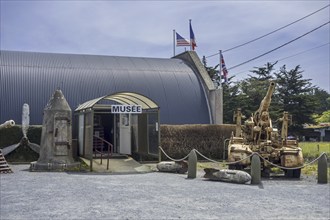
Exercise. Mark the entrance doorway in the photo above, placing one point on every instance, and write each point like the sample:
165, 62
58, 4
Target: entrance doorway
132, 128
115, 129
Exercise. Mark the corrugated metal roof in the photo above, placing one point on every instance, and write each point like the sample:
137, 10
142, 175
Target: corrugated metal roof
125, 98
31, 77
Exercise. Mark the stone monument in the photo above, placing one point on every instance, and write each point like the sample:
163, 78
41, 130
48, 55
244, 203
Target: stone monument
56, 152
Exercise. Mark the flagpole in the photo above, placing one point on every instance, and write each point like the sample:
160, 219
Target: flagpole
221, 89
174, 42
190, 35
220, 67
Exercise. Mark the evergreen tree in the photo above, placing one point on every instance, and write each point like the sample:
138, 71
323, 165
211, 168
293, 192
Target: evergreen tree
294, 95
231, 100
255, 88
322, 100
212, 71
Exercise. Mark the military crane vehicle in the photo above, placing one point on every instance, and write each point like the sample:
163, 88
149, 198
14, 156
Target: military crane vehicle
258, 135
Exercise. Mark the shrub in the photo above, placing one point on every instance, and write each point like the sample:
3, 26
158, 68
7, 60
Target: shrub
178, 140
13, 135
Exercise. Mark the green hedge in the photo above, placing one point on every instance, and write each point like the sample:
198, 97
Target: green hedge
178, 140
13, 135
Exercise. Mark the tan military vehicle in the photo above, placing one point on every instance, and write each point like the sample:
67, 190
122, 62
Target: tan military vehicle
258, 135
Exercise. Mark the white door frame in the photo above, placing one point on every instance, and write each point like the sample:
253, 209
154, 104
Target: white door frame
125, 134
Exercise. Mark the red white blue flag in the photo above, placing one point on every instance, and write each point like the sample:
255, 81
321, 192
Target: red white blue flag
224, 68
192, 37
181, 41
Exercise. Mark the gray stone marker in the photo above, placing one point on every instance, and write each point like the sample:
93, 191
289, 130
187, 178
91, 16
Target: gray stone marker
255, 170
322, 168
192, 165
56, 137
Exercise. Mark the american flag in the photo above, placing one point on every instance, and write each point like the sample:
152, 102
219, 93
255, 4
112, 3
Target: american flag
181, 41
224, 69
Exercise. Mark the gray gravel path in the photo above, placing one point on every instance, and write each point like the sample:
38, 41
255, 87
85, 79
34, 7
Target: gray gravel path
42, 195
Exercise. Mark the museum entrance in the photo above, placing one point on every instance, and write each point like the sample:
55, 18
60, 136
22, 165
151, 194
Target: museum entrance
118, 124
115, 129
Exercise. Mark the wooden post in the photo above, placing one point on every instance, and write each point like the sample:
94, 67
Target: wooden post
322, 166
192, 165
255, 170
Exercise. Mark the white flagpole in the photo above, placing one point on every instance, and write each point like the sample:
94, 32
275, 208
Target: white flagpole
174, 42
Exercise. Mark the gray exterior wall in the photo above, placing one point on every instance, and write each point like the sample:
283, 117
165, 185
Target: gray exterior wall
31, 77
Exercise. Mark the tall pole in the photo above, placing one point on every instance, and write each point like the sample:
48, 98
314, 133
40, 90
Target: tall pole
221, 89
190, 35
220, 67
174, 42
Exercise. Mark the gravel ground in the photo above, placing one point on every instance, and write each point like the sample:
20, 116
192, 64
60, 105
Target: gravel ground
43, 195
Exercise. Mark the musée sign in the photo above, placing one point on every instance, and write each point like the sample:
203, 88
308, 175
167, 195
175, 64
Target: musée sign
128, 109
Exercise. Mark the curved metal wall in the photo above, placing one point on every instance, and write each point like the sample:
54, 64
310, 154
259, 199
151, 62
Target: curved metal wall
30, 77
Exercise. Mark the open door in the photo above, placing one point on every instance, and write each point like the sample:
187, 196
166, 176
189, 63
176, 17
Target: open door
125, 134
130, 122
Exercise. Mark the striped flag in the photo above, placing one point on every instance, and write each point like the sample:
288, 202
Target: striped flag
181, 41
224, 68
192, 37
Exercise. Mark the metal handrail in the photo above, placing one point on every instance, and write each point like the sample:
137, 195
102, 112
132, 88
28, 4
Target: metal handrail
110, 150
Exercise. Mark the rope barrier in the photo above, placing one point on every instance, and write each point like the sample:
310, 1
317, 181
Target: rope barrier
291, 168
226, 163
177, 160
235, 162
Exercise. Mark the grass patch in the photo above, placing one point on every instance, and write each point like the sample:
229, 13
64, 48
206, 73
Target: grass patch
312, 170
312, 150
203, 165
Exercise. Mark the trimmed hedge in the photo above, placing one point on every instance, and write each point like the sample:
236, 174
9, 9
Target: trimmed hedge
13, 135
178, 140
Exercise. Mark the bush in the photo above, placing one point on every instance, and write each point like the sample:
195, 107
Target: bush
23, 153
178, 140
13, 135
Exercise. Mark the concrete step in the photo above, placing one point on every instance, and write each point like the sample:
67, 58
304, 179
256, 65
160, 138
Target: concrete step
126, 165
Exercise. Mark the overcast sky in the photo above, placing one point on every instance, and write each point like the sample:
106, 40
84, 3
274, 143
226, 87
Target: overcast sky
145, 29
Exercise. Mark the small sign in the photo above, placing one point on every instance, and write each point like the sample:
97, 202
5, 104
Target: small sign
128, 109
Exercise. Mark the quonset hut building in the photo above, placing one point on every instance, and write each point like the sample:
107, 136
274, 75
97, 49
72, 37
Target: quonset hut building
169, 91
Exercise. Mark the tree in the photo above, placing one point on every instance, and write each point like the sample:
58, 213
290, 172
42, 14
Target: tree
293, 93
255, 88
324, 118
232, 100
294, 96
212, 71
231, 92
263, 73
321, 100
